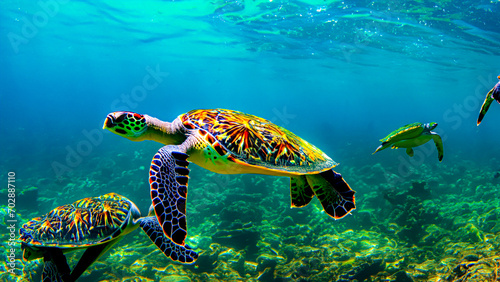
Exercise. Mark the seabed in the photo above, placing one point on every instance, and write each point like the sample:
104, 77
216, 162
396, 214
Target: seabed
432, 225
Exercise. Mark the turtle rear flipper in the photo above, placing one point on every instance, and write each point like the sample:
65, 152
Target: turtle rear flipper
55, 266
410, 152
50, 273
168, 178
182, 254
300, 191
335, 195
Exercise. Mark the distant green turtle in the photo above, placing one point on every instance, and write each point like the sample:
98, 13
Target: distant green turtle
412, 135
94, 224
229, 142
493, 94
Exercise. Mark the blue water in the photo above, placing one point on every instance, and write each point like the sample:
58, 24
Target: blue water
340, 74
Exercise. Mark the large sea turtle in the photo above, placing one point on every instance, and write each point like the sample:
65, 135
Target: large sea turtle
229, 142
493, 94
94, 224
412, 135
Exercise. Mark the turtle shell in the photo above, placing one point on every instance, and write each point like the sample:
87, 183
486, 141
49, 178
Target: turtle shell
86, 222
252, 140
408, 131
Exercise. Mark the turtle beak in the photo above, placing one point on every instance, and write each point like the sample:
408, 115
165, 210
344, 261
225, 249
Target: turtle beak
110, 121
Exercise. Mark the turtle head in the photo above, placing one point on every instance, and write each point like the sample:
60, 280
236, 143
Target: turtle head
130, 125
31, 252
28, 243
431, 125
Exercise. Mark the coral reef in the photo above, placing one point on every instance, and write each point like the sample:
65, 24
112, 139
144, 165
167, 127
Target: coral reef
432, 226
411, 213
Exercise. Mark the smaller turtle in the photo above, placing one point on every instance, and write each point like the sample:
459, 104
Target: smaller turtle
412, 135
94, 224
493, 94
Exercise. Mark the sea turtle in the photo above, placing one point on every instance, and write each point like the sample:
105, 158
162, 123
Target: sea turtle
412, 135
229, 142
94, 224
493, 94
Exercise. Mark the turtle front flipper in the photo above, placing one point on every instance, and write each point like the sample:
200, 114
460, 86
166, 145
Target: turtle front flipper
335, 195
168, 178
439, 145
179, 253
300, 191
485, 106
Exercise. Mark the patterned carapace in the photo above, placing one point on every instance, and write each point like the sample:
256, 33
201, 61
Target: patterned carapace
82, 223
408, 131
254, 140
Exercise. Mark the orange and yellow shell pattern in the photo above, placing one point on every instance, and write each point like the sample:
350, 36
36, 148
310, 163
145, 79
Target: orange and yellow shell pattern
256, 141
86, 222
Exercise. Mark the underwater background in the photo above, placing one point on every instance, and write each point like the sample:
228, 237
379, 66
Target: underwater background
340, 74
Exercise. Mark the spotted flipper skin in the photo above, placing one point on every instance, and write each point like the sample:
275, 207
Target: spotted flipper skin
335, 195
168, 179
183, 254
300, 191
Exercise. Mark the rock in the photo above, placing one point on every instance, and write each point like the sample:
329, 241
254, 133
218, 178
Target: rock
471, 233
402, 276
240, 239
364, 271
471, 258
